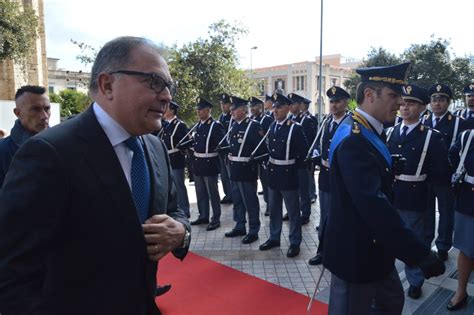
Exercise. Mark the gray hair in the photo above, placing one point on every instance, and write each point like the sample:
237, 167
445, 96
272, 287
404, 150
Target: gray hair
115, 55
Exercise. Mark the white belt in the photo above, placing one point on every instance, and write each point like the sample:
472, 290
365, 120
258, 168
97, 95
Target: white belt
238, 159
469, 179
173, 151
325, 163
282, 162
412, 178
205, 155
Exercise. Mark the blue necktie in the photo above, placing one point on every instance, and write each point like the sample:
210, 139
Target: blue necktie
403, 135
140, 178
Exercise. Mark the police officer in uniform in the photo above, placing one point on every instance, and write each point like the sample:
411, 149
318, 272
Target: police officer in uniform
244, 137
309, 130
338, 99
312, 180
174, 133
426, 160
450, 126
468, 112
225, 119
462, 157
287, 148
209, 133
268, 106
364, 233
264, 120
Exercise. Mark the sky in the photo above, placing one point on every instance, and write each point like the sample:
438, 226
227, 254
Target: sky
284, 31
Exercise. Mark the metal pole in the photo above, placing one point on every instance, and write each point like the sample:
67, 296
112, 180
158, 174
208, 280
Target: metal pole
320, 99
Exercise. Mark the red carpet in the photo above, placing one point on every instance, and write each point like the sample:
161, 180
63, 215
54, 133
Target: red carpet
201, 286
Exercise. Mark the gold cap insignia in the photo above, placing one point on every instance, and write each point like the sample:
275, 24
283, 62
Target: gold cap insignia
471, 86
230, 98
438, 88
290, 95
408, 89
275, 96
198, 100
333, 90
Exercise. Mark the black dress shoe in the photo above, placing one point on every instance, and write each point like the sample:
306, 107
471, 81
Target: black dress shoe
249, 238
269, 245
293, 251
199, 221
459, 305
316, 260
442, 255
226, 200
304, 221
285, 217
162, 289
414, 292
234, 233
213, 225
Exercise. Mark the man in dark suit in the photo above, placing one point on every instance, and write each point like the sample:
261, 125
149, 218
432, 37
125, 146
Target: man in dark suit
89, 207
33, 110
364, 233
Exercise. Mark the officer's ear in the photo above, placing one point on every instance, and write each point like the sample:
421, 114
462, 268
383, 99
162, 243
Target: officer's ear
369, 94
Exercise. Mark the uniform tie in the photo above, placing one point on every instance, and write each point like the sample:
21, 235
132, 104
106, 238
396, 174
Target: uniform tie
403, 135
436, 121
277, 127
140, 178
333, 126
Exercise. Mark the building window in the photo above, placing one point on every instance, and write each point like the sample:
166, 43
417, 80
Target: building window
334, 81
261, 87
280, 85
299, 83
51, 89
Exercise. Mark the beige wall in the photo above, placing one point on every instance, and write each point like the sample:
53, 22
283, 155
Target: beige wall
34, 70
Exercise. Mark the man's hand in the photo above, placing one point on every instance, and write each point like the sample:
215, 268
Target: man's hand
162, 235
432, 266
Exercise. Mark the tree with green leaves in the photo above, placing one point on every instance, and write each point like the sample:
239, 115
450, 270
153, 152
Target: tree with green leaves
18, 30
209, 67
375, 58
71, 102
432, 63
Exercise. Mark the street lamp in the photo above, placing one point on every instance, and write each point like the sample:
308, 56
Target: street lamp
320, 99
251, 50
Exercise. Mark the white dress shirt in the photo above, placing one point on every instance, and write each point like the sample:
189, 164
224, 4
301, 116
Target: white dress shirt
116, 135
374, 122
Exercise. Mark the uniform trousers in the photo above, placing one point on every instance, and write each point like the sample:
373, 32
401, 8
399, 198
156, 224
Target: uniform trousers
291, 199
384, 296
312, 184
263, 175
304, 192
225, 177
416, 222
244, 196
206, 189
324, 204
445, 197
181, 191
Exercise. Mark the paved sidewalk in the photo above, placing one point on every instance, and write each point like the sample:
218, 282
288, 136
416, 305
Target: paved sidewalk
295, 273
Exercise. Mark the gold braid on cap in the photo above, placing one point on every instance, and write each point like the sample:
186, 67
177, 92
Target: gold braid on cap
387, 80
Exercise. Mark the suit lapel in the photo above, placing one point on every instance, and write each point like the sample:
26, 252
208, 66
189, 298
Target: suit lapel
157, 169
101, 156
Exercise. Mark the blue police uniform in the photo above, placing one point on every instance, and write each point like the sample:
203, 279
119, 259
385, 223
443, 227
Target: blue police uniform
468, 112
226, 121
449, 126
172, 133
304, 174
244, 137
287, 149
464, 216
363, 233
265, 121
312, 180
206, 167
426, 159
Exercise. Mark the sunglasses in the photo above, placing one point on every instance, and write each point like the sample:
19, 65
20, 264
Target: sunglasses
157, 83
